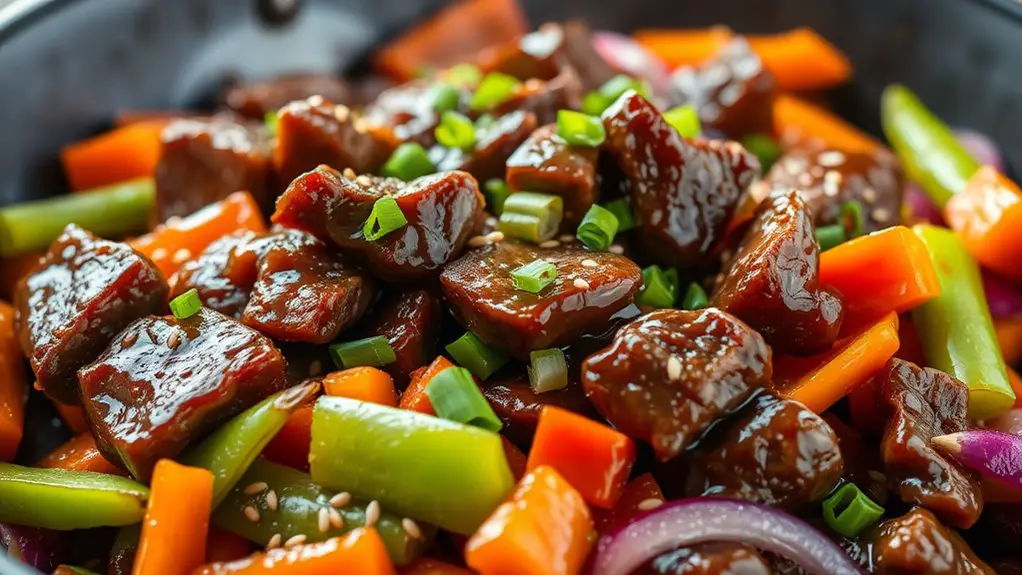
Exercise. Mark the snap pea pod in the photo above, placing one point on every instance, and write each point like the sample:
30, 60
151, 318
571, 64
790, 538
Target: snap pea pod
59, 499
298, 505
955, 327
433, 470
230, 450
928, 148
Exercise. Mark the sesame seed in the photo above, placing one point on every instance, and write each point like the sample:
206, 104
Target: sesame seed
495, 237
274, 541
296, 540
271, 500
342, 113
252, 514
323, 521
315, 368
491, 221
411, 528
651, 503
340, 500
587, 263
372, 513
174, 340
831, 159
130, 339
616, 249
181, 255
567, 238
881, 214
336, 520
870, 195
477, 241
159, 253
316, 100
364, 181
257, 487
360, 125
550, 244
673, 368
580, 283
348, 173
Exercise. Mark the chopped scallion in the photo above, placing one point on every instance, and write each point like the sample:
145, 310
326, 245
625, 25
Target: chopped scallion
657, 289
386, 217
456, 397
684, 119
471, 353
496, 192
186, 305
493, 90
372, 351
463, 75
595, 102
534, 276
764, 147
580, 129
532, 217
622, 210
456, 131
409, 161
830, 236
445, 98
851, 217
849, 511
272, 121
548, 370
598, 228
695, 297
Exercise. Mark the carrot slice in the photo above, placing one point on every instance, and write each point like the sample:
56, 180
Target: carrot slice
545, 529
889, 270
173, 540
362, 383
180, 239
640, 495
13, 386
121, 154
427, 566
595, 459
361, 551
799, 121
987, 216
79, 454
1009, 337
820, 381
415, 398
678, 48
222, 546
291, 445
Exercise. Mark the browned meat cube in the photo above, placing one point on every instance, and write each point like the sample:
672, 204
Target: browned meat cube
164, 382
582, 57
545, 163
255, 99
669, 374
81, 295
441, 210
545, 98
514, 402
684, 192
590, 287
206, 160
223, 274
920, 404
408, 110
303, 292
709, 559
537, 55
772, 283
916, 543
492, 149
410, 320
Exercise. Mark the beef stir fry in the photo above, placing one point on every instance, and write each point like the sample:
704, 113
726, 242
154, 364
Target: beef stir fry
567, 302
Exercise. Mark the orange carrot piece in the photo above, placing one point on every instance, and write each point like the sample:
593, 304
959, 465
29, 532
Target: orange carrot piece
678, 48
820, 381
13, 386
640, 495
889, 270
180, 239
73, 416
222, 546
427, 566
545, 529
987, 216
456, 34
362, 383
1016, 385
516, 460
797, 120
291, 445
121, 154
1009, 337
79, 454
361, 551
415, 398
173, 540
595, 459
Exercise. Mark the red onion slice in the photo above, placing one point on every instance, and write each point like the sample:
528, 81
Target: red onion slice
625, 54
1003, 297
981, 147
39, 548
706, 519
995, 455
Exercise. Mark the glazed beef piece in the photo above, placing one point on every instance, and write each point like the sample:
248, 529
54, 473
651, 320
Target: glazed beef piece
920, 404
708, 559
916, 543
733, 92
777, 453
441, 210
669, 374
547, 164
537, 55
545, 98
77, 298
223, 274
494, 145
514, 402
590, 288
407, 111
772, 282
582, 57
827, 179
205, 160
164, 382
315, 131
684, 192
303, 292
410, 321
255, 99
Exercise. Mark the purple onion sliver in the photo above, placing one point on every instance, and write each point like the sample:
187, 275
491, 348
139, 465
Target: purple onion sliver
39, 548
627, 55
709, 519
921, 205
1003, 297
994, 454
981, 147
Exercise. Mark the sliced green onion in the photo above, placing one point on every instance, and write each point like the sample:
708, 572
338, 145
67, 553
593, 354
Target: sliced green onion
186, 305
493, 90
463, 75
830, 236
695, 297
409, 161
851, 216
657, 290
849, 511
580, 129
598, 228
445, 98
595, 102
532, 217
496, 192
684, 119
456, 131
764, 147
471, 353
548, 370
456, 397
622, 210
272, 121
533, 277
386, 217
372, 351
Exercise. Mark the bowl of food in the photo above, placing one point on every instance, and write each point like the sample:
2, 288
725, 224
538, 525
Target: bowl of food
423, 288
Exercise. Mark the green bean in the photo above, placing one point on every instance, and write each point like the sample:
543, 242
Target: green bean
60, 499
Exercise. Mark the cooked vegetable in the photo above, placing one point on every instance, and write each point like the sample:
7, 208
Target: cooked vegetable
79, 454
13, 385
548, 370
372, 351
695, 297
409, 161
849, 511
1003, 297
456, 131
532, 217
993, 454
622, 210
427, 566
684, 119
415, 398
360, 551
534, 276
981, 147
987, 216
598, 228
497, 192
186, 305
597, 101
808, 122
362, 383
956, 330
290, 446
830, 236
404, 460
125, 153
38, 548
176, 522
455, 396
493, 90
480, 359
386, 217
765, 147
580, 129
659, 290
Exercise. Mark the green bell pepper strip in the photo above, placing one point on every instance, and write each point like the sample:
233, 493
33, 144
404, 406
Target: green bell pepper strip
955, 327
63, 500
111, 211
230, 450
298, 503
433, 470
928, 148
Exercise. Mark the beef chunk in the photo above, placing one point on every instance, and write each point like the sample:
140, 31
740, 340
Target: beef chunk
920, 404
76, 300
916, 543
590, 287
205, 160
441, 210
684, 192
777, 453
315, 131
494, 145
669, 374
733, 92
255, 99
582, 57
537, 55
708, 559
223, 274
164, 382
545, 98
772, 283
406, 110
410, 321
519, 407
303, 292
545, 163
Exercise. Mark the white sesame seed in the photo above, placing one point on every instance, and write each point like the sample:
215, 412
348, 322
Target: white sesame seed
316, 100
616, 249
129, 340
348, 173
491, 221
257, 487
830, 159
181, 255
870, 195
587, 263
673, 368
340, 500
372, 513
159, 253
651, 503
274, 541
580, 283
567, 238
271, 500
174, 340
495, 237
336, 519
411, 528
477, 241
296, 540
549, 244
881, 214
323, 521
251, 513
342, 113
364, 181
315, 368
